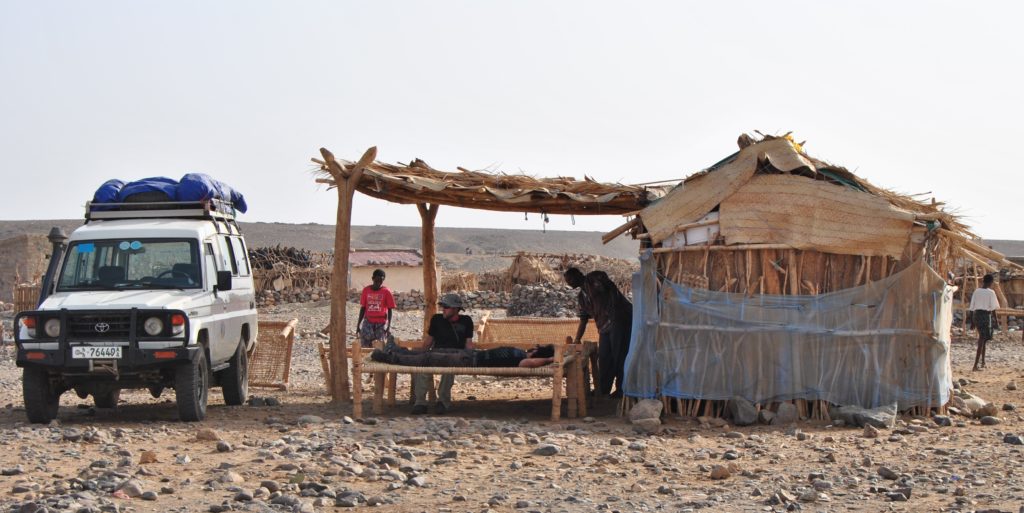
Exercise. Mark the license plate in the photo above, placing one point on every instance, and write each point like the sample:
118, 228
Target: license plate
96, 352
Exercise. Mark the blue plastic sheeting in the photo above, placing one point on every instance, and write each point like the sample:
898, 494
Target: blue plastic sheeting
881, 343
168, 186
199, 186
108, 192
192, 187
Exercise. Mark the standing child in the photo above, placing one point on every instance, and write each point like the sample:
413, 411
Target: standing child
376, 304
984, 304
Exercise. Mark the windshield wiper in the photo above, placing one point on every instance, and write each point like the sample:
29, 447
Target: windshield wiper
164, 286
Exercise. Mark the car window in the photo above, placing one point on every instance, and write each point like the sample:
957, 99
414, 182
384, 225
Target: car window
241, 263
227, 257
130, 263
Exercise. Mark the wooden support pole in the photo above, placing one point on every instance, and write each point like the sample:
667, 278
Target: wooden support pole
346, 179
428, 214
606, 238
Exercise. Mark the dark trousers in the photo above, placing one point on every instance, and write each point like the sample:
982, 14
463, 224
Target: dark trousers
612, 348
435, 358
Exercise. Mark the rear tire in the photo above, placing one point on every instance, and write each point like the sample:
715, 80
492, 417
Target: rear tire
106, 399
41, 400
192, 388
234, 380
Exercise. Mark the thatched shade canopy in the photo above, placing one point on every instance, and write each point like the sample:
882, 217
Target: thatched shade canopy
428, 188
417, 182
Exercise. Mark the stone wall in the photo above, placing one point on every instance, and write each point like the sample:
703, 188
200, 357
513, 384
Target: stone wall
543, 300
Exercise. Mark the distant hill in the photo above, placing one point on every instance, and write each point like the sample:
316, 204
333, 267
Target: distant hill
1010, 248
452, 243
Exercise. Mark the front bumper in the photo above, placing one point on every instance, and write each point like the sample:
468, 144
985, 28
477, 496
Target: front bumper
55, 353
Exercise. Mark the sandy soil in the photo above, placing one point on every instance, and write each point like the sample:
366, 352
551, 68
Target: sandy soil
496, 452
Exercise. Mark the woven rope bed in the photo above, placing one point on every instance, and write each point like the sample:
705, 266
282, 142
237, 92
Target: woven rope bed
520, 332
370, 366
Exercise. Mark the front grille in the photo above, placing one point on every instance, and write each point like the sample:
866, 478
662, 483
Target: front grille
114, 326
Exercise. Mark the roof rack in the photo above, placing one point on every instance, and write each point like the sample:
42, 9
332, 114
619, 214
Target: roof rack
213, 209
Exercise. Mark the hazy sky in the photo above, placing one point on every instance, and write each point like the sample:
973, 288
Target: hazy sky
913, 96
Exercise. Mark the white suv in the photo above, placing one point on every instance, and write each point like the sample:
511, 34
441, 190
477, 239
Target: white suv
148, 295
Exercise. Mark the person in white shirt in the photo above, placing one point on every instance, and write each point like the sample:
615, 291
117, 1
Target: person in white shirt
984, 304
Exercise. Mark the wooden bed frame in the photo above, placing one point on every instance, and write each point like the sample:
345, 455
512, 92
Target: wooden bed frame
571, 362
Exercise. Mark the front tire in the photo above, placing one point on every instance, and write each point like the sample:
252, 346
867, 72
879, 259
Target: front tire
234, 380
192, 388
41, 400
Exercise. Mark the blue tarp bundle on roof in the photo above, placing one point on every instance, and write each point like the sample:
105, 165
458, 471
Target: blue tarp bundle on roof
199, 186
191, 187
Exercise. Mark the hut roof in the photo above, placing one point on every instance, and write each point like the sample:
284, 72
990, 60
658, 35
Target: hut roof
391, 257
417, 182
772, 192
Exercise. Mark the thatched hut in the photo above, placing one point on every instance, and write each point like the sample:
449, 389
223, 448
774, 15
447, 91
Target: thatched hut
776, 277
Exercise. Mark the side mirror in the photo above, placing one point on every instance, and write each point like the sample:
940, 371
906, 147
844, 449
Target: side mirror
223, 280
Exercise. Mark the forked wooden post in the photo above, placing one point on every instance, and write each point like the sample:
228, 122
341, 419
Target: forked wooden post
346, 179
428, 213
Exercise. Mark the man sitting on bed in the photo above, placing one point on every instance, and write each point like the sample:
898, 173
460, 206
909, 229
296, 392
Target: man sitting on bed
447, 330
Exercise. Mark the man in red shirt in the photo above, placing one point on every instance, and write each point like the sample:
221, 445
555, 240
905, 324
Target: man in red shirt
375, 304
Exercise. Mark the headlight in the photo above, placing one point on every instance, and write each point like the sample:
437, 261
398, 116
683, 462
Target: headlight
52, 328
153, 326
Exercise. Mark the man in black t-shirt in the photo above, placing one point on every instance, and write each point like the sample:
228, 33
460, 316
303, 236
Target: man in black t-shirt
447, 330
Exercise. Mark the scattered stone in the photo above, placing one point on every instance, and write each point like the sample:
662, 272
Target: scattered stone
988, 410
646, 409
72, 435
547, 450
990, 421
208, 435
942, 420
309, 419
896, 497
870, 431
720, 472
647, 426
882, 417
132, 488
743, 412
888, 473
1013, 439
223, 446
1011, 386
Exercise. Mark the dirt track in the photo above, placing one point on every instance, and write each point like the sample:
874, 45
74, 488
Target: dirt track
489, 454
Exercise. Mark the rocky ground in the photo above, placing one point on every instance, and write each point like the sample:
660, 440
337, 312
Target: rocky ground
301, 453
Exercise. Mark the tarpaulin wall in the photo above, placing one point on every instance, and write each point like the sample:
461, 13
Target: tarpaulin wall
881, 343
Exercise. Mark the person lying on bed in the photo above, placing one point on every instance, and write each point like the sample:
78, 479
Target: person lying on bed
498, 357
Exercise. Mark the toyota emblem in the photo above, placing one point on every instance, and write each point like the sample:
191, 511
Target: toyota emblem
101, 327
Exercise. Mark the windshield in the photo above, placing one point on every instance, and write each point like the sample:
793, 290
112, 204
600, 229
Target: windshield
131, 264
